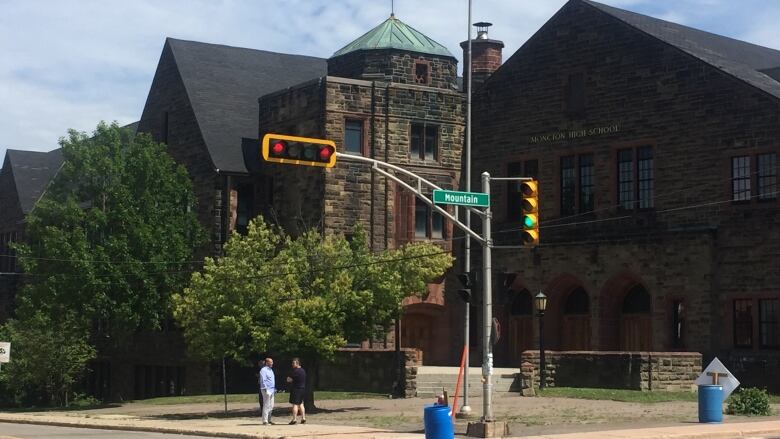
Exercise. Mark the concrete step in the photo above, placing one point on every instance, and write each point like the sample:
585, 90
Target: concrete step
432, 386
431, 380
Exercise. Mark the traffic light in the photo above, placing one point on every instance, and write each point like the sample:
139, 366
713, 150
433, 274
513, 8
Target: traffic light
467, 280
280, 148
530, 207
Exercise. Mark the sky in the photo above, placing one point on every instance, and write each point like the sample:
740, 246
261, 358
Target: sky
70, 64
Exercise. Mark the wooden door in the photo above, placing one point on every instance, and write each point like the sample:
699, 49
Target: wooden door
576, 332
417, 332
521, 337
635, 332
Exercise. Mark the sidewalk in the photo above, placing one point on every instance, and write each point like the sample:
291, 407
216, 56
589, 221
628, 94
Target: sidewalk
229, 428
251, 428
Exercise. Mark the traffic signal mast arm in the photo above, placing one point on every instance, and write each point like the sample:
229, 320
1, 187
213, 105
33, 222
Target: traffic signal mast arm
386, 169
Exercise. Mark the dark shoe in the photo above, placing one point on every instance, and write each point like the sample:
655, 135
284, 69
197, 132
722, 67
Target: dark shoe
272, 422
303, 421
293, 422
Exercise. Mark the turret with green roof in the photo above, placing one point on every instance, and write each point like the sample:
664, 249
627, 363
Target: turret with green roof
396, 52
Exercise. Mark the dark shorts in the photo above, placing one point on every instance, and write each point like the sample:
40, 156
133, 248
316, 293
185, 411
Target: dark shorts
296, 396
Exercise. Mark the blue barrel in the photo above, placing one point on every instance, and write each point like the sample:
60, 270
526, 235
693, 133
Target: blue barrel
438, 424
710, 403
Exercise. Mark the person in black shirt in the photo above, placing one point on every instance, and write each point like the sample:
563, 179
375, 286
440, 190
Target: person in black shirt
297, 383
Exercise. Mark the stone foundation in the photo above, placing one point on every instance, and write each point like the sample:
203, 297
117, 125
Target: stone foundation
370, 370
658, 371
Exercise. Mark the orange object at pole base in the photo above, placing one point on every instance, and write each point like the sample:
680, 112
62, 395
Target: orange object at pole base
457, 386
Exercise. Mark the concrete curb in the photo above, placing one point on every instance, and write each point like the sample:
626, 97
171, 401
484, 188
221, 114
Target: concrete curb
98, 424
759, 429
147, 429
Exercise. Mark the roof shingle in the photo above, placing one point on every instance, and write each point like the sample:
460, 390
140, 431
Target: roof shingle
224, 83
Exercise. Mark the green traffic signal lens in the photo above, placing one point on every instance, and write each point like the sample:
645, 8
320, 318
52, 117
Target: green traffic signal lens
528, 221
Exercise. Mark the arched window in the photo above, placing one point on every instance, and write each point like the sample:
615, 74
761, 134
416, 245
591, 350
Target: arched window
522, 304
637, 301
577, 302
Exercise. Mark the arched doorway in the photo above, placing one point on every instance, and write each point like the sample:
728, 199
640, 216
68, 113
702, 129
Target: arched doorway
636, 329
521, 325
575, 331
417, 332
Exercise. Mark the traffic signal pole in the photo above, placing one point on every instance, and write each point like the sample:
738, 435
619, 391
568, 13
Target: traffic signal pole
388, 170
487, 310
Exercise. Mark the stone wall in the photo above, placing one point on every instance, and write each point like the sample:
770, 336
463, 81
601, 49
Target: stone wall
370, 370
658, 371
395, 66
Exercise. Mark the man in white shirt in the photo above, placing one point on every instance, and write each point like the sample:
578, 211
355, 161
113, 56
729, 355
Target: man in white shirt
267, 389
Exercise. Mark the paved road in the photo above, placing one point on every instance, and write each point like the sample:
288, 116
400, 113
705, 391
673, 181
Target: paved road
23, 431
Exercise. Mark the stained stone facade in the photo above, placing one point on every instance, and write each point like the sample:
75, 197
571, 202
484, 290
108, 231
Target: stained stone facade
655, 147
388, 114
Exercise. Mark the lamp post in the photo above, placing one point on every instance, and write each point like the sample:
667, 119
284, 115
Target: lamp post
540, 301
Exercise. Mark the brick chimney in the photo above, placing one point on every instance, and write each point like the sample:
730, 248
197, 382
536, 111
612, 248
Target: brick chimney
487, 56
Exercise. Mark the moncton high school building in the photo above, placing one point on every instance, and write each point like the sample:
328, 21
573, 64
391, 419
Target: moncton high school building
655, 146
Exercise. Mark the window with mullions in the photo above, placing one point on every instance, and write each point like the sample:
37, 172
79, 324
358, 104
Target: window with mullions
424, 141
636, 180
353, 136
567, 185
427, 223
586, 183
740, 178
767, 176
644, 165
743, 323
768, 329
626, 179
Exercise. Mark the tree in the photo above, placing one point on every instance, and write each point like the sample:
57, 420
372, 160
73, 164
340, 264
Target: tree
305, 296
48, 359
109, 241
114, 234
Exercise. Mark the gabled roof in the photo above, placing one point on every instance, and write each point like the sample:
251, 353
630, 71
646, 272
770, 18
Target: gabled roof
32, 171
224, 83
395, 34
740, 59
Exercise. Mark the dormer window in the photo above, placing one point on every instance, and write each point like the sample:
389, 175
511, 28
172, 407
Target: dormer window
421, 72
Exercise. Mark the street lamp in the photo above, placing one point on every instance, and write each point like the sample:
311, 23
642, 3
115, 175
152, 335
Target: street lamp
540, 301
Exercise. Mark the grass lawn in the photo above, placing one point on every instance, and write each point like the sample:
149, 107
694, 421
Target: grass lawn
252, 397
617, 394
626, 395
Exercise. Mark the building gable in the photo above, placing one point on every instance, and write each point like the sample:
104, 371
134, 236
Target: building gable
223, 85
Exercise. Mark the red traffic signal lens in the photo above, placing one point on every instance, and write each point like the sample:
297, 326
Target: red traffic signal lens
278, 148
325, 153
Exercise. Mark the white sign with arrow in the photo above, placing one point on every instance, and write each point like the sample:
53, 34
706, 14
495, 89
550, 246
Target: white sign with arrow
716, 373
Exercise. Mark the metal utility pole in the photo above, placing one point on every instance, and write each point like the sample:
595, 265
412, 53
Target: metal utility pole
465, 410
487, 310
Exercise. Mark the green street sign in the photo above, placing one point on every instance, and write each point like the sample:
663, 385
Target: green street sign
474, 199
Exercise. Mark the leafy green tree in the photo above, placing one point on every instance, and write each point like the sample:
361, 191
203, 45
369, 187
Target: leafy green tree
304, 296
109, 241
113, 235
48, 360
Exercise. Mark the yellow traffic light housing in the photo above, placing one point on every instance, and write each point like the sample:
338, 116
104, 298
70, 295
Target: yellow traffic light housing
530, 207
295, 150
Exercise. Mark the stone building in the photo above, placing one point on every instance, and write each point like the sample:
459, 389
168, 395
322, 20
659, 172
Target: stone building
655, 146
23, 179
391, 95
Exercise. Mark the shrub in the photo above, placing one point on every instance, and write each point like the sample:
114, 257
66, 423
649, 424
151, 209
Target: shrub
749, 401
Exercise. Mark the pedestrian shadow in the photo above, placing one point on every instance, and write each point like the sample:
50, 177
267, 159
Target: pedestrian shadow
247, 413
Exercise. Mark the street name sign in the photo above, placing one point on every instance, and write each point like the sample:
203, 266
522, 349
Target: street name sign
724, 377
474, 199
